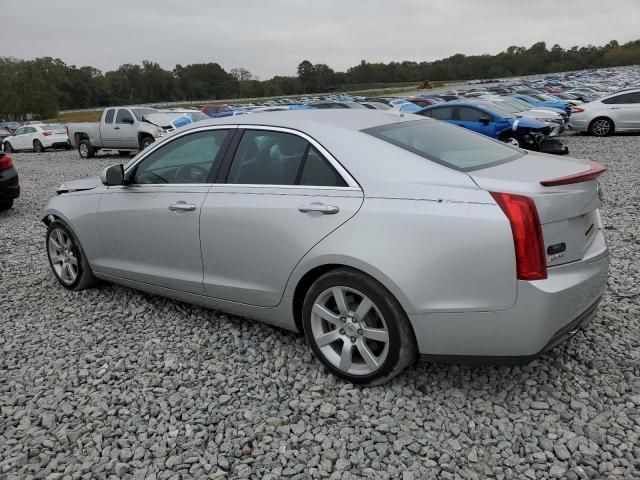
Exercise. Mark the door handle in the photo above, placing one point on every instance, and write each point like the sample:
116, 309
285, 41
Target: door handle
319, 208
182, 207
614, 108
116, 128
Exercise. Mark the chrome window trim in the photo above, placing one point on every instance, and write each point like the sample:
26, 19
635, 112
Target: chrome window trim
156, 145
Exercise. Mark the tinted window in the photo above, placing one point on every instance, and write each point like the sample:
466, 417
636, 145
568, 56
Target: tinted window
625, 98
187, 159
317, 171
267, 158
444, 113
467, 114
108, 118
446, 144
122, 114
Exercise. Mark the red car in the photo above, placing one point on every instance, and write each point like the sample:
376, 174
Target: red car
9, 182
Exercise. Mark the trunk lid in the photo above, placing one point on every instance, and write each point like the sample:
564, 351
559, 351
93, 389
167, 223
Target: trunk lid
567, 207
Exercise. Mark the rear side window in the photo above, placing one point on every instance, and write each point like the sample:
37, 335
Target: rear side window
277, 158
445, 144
625, 98
108, 118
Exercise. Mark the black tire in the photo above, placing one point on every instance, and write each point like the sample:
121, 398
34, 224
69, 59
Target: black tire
37, 146
601, 127
6, 204
124, 153
402, 346
8, 148
145, 142
85, 149
84, 277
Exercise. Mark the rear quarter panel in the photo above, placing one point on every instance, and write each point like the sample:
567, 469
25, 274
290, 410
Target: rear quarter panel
432, 255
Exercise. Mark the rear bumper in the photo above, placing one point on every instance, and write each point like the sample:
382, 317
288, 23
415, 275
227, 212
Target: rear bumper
546, 313
578, 124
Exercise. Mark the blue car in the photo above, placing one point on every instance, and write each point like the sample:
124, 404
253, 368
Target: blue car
495, 123
559, 104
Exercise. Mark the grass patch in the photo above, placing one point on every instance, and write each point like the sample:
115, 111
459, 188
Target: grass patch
93, 116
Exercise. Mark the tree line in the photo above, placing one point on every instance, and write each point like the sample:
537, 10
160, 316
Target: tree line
43, 86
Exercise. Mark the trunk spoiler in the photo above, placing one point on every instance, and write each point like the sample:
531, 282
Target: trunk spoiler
594, 172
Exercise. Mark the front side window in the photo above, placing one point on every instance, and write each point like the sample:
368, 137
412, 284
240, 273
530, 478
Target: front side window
444, 113
278, 158
466, 114
445, 144
19, 131
188, 159
122, 114
108, 118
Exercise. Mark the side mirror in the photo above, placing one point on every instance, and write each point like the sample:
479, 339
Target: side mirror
484, 120
113, 175
127, 120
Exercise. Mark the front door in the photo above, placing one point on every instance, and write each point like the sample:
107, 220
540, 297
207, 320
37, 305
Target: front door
123, 133
149, 229
625, 112
281, 197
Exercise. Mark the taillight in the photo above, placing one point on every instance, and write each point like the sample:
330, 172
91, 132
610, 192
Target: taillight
47, 133
5, 162
531, 261
577, 110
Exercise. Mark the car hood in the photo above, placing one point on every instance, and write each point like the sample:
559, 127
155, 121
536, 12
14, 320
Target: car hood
526, 122
79, 185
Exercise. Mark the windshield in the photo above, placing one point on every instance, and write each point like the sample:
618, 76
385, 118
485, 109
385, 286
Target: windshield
445, 144
141, 112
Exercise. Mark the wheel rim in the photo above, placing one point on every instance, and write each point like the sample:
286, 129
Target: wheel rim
84, 150
62, 256
349, 330
38, 146
512, 141
601, 127
146, 144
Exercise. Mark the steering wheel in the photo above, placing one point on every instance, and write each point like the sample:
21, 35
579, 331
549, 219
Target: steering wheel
191, 174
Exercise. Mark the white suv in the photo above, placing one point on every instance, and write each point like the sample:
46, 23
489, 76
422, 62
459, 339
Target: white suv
618, 112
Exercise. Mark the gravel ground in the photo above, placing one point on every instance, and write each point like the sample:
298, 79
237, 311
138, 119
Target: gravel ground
113, 383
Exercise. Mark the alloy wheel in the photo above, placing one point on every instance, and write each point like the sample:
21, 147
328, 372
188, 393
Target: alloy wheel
62, 256
349, 330
601, 127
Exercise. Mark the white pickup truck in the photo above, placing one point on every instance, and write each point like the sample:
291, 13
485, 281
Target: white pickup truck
120, 128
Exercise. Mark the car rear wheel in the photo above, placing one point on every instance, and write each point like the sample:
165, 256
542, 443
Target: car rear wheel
67, 259
7, 147
6, 205
86, 150
37, 146
356, 328
601, 127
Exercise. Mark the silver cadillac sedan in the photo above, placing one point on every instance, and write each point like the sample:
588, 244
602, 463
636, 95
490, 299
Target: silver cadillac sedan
378, 236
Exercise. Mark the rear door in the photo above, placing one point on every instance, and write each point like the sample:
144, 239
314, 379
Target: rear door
625, 110
281, 194
568, 212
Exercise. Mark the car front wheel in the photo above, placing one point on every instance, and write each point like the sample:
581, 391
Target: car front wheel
8, 148
356, 328
67, 259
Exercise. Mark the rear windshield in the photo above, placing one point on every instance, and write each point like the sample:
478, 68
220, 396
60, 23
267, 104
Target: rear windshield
446, 144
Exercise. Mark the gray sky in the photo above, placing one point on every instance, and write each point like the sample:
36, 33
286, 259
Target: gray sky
270, 37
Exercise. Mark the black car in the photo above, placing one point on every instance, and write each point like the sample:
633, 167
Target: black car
9, 182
